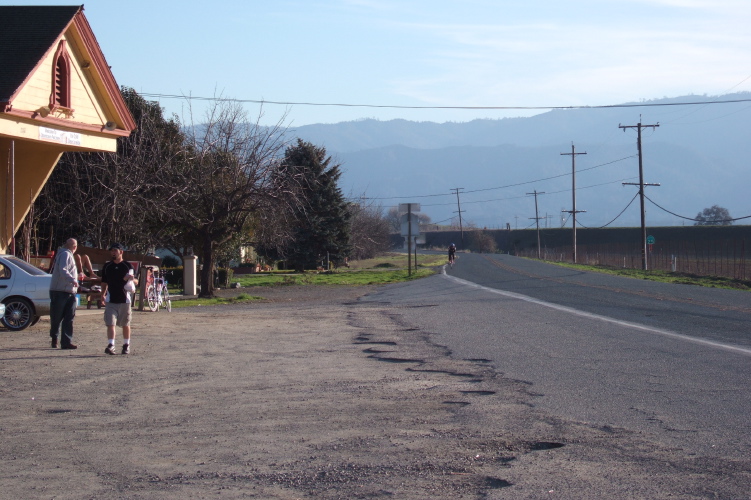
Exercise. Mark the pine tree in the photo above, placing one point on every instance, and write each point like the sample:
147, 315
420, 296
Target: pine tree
322, 220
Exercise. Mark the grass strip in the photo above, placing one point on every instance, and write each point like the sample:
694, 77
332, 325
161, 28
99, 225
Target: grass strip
665, 276
242, 298
382, 270
347, 277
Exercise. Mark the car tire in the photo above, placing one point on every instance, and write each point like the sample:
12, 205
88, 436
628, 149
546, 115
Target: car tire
19, 313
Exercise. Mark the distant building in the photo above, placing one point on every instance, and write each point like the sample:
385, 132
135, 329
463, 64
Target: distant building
57, 94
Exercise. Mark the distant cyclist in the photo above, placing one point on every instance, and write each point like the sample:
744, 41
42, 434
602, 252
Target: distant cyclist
452, 254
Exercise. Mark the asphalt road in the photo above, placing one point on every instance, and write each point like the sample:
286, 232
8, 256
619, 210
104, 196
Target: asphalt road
669, 362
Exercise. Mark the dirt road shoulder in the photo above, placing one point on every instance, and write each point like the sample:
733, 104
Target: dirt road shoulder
308, 394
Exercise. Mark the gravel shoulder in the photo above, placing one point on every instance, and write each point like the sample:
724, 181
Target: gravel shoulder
307, 394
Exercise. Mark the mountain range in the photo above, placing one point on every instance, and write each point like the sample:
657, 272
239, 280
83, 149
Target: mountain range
699, 151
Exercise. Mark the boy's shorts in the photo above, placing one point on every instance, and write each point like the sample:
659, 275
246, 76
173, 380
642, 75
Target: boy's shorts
117, 314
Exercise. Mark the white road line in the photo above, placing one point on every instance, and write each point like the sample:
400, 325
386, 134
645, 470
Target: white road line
657, 331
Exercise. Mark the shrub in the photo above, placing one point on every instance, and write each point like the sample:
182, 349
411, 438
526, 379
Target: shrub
173, 275
481, 242
224, 276
170, 261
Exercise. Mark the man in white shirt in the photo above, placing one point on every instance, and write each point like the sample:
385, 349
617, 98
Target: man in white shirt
63, 288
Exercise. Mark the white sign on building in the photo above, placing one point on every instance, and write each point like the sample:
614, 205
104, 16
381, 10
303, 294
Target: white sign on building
60, 136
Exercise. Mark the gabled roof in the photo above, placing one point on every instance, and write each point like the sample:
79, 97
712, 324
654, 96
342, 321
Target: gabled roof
26, 35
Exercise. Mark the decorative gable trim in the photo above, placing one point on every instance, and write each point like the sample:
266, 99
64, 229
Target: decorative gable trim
103, 69
104, 80
60, 95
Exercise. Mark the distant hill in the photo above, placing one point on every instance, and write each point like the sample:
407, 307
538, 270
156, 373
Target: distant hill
700, 154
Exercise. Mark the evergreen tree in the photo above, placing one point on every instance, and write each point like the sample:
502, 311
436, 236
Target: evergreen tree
322, 220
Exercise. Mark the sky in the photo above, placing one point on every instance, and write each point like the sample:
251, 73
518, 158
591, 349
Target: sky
416, 60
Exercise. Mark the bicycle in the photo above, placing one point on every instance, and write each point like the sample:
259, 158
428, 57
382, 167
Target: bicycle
452, 254
157, 293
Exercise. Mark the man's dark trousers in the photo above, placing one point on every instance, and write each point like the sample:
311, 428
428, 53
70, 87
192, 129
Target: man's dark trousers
62, 312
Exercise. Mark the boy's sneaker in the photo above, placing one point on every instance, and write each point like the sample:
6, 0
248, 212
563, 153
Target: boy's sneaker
110, 349
126, 348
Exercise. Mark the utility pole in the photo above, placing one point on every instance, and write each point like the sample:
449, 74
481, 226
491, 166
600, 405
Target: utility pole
409, 239
638, 128
459, 211
573, 210
537, 220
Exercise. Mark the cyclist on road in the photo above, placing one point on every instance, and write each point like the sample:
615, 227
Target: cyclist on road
452, 254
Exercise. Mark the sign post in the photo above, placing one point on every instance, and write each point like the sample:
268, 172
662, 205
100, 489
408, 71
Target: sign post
650, 241
409, 219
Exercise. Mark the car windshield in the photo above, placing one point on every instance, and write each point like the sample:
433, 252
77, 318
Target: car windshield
25, 266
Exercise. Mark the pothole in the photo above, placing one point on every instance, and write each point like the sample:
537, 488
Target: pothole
445, 372
495, 483
396, 360
371, 350
457, 403
479, 393
544, 445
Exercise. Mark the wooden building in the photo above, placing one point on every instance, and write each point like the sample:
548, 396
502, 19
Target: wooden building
57, 94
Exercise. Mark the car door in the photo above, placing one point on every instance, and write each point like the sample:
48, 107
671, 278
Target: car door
6, 279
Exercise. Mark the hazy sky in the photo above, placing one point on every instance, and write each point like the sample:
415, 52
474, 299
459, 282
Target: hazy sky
422, 53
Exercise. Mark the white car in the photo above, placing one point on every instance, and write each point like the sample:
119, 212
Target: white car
24, 293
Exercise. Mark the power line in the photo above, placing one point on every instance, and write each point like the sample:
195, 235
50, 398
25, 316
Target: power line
524, 196
500, 187
691, 218
616, 217
395, 106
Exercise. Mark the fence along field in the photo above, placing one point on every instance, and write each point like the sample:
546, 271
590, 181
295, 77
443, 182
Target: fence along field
701, 250
725, 258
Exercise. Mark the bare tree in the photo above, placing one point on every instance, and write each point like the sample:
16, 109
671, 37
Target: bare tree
233, 180
393, 217
369, 234
714, 216
105, 197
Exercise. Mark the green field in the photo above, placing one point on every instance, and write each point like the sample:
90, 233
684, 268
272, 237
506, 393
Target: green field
388, 268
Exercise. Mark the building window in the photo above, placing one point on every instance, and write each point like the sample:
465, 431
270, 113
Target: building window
60, 96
